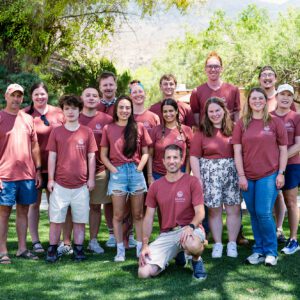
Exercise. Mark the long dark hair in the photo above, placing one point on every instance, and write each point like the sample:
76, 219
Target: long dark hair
33, 87
172, 102
207, 127
131, 131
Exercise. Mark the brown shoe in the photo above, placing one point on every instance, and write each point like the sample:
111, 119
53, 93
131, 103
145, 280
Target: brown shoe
241, 240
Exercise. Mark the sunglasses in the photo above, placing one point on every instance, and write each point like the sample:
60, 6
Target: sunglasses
44, 119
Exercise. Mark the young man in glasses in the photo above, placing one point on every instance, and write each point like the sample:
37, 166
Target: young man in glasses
20, 170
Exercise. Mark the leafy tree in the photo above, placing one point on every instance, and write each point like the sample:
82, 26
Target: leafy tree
31, 31
245, 44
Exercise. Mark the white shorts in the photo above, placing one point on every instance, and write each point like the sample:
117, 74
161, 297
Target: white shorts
60, 200
167, 246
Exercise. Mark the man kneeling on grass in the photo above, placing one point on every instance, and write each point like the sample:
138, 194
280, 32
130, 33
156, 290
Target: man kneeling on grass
71, 169
179, 199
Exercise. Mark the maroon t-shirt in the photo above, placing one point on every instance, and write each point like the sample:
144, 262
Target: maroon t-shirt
185, 113
260, 146
215, 147
17, 133
148, 119
72, 148
96, 123
228, 92
55, 118
175, 200
106, 109
113, 138
292, 125
171, 136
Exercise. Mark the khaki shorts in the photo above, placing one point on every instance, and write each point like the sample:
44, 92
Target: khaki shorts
99, 194
167, 246
60, 200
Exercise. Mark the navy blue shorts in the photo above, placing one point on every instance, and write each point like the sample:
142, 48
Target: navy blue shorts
20, 192
292, 176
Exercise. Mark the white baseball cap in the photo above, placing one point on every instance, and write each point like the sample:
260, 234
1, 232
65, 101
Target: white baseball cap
285, 87
13, 88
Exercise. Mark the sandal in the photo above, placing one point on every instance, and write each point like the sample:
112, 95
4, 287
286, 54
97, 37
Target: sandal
4, 259
27, 255
37, 247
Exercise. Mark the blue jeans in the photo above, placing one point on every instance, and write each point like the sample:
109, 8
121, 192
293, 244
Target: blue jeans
260, 199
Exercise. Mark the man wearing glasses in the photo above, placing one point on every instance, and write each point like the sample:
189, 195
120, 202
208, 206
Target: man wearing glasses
215, 87
20, 170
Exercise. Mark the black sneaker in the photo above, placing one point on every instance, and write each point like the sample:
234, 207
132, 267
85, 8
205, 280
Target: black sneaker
52, 256
78, 253
199, 272
180, 259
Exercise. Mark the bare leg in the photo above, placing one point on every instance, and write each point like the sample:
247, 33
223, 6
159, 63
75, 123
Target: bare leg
233, 221
67, 228
108, 212
279, 209
290, 197
79, 230
95, 220
5, 212
54, 233
118, 215
22, 226
148, 271
216, 223
34, 217
137, 209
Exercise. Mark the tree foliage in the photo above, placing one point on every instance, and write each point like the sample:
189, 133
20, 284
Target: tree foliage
31, 31
245, 45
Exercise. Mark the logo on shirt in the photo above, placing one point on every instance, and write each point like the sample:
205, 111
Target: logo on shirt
289, 126
267, 130
98, 128
80, 144
230, 140
179, 197
146, 124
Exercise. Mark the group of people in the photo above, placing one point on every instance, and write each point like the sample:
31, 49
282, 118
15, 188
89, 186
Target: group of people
105, 151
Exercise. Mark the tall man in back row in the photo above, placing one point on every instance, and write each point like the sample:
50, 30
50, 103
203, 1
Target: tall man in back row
181, 210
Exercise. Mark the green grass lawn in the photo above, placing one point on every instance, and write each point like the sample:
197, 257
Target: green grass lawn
100, 278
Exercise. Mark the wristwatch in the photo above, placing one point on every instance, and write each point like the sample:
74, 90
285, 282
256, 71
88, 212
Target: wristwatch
192, 226
281, 172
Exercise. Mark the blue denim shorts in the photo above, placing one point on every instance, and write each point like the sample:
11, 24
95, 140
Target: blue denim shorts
20, 192
292, 176
126, 181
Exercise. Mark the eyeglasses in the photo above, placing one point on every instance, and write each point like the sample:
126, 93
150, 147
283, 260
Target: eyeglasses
216, 67
265, 75
44, 119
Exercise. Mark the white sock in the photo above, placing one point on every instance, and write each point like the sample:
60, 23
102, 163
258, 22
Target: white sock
111, 235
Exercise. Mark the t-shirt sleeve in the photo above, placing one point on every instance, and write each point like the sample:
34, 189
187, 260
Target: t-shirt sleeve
51, 145
237, 133
194, 102
157, 120
197, 192
92, 142
146, 139
237, 103
33, 135
297, 129
281, 133
151, 199
104, 139
196, 145
189, 136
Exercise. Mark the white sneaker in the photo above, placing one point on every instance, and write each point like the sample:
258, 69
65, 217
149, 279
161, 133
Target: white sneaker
131, 242
63, 249
217, 250
232, 249
120, 257
111, 242
255, 259
271, 260
95, 247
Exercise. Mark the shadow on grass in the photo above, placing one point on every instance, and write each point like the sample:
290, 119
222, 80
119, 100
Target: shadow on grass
100, 278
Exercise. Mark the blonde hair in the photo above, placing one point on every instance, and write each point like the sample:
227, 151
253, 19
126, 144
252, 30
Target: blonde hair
247, 110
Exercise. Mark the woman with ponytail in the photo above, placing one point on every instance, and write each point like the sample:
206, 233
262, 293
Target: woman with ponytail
45, 117
124, 152
169, 132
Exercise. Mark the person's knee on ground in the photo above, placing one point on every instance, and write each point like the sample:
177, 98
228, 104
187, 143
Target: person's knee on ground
148, 271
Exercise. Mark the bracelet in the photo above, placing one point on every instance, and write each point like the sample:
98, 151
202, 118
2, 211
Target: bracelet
38, 168
192, 226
